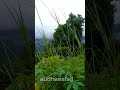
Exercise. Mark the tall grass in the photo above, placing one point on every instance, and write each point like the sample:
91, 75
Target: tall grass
110, 56
49, 63
19, 68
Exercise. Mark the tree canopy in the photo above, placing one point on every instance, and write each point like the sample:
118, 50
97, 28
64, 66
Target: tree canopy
69, 33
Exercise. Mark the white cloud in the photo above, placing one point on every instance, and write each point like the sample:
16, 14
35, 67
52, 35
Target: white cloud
61, 7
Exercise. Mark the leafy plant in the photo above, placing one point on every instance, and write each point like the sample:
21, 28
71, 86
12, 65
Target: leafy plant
69, 34
63, 57
59, 67
75, 85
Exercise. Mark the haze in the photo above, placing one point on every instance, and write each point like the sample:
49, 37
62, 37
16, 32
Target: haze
62, 8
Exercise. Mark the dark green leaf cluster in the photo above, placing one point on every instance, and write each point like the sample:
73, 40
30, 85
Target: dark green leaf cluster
65, 34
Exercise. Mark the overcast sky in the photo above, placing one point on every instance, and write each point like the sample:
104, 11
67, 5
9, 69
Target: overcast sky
61, 7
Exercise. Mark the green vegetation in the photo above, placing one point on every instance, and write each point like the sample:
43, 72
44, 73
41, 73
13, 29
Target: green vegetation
18, 74
63, 57
102, 52
70, 33
57, 67
61, 61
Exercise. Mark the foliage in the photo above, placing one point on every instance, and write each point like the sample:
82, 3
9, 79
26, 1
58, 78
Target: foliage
99, 14
101, 50
63, 57
74, 85
22, 82
36, 86
21, 68
63, 51
64, 34
60, 67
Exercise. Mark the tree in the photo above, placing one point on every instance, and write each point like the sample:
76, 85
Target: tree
66, 34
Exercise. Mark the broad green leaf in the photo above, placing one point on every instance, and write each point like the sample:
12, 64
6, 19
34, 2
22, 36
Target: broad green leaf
69, 86
80, 83
75, 86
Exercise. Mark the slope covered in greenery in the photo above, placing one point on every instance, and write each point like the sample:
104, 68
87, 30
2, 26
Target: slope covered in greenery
63, 57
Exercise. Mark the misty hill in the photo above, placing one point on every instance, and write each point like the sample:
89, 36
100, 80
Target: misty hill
116, 32
83, 39
39, 43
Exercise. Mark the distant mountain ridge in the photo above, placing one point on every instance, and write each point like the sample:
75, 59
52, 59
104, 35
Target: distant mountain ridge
116, 32
39, 43
83, 39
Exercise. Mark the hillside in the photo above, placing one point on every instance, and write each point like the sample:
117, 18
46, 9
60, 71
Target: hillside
39, 44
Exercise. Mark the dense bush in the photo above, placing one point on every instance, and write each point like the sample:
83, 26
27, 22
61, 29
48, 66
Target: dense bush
63, 51
65, 35
60, 67
62, 57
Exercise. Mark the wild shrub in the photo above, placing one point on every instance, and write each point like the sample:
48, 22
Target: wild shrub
60, 67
